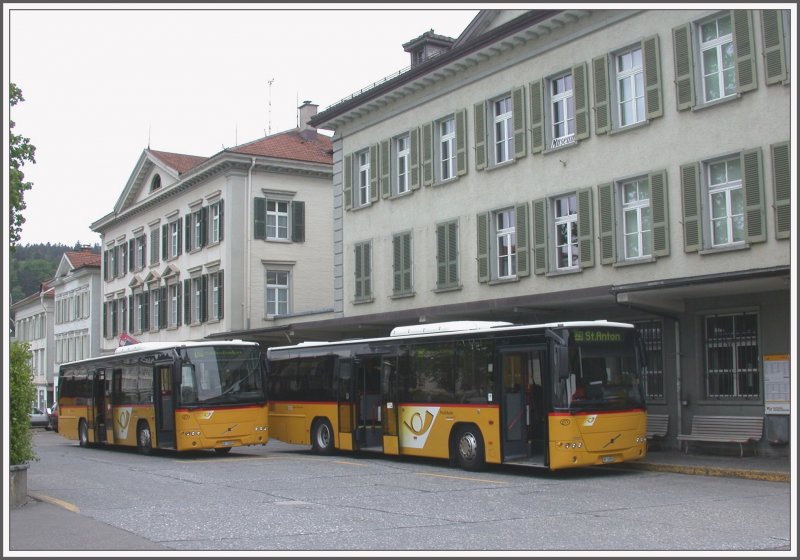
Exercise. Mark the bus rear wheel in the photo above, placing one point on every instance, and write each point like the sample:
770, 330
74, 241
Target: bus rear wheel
144, 439
83, 434
322, 437
469, 449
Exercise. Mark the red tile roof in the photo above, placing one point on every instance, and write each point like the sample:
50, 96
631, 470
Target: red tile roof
80, 259
307, 145
179, 162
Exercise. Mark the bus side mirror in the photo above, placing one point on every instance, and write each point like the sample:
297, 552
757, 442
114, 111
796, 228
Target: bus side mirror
562, 362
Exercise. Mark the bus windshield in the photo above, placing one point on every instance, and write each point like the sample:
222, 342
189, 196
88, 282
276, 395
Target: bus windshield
603, 372
221, 375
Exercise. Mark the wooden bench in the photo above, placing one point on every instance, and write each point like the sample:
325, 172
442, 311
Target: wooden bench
725, 429
657, 425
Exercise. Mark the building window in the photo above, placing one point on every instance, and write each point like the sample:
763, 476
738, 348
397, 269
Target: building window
155, 182
154, 258
503, 130
562, 111
726, 202
155, 308
141, 312
215, 290
277, 220
197, 304
140, 252
630, 87
216, 222
363, 271
447, 274
122, 314
565, 226
732, 356
447, 148
402, 251
636, 223
277, 292
174, 295
723, 202
363, 178
196, 229
714, 58
402, 154
172, 234
653, 381
505, 244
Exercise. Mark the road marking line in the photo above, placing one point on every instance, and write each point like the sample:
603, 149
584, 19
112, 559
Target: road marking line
54, 501
462, 478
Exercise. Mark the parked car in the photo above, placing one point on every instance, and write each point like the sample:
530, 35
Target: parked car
39, 419
52, 414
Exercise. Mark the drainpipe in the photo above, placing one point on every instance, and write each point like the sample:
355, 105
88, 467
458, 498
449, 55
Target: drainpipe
248, 242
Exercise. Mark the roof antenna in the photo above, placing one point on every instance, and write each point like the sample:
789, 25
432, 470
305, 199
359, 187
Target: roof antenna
149, 126
269, 106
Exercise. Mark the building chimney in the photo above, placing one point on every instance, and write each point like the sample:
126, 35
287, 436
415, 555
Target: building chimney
304, 114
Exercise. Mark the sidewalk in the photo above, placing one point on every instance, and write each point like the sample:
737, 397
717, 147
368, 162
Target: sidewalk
43, 523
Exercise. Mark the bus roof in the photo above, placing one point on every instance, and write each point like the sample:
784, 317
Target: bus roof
156, 346
431, 330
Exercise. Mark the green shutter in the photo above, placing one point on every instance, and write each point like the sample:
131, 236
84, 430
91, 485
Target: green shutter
397, 263
413, 149
358, 271
373, 173
347, 189
684, 69
260, 217
441, 255
537, 116
654, 102
605, 199
385, 169
407, 262
461, 141
580, 88
523, 242
602, 111
187, 232
187, 302
774, 46
659, 213
782, 184
483, 247
204, 298
298, 221
221, 293
754, 208
518, 116
480, 135
165, 242
746, 79
586, 227
692, 221
427, 154
540, 236
452, 254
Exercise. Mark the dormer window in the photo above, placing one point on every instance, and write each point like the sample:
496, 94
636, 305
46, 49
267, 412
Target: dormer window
155, 184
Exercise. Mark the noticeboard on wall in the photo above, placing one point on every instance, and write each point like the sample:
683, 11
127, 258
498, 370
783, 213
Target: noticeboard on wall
777, 384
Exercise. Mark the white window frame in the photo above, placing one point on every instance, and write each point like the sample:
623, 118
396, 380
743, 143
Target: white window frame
197, 229
277, 283
363, 178
717, 45
215, 223
402, 153
747, 346
195, 306
502, 129
277, 220
504, 225
729, 188
139, 255
565, 99
446, 149
155, 305
629, 70
214, 293
174, 238
173, 312
640, 207
569, 221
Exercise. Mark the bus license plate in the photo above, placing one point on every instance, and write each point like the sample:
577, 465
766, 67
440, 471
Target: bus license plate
608, 459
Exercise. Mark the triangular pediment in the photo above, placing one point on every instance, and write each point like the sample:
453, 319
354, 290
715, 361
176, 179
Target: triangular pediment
135, 281
485, 21
64, 267
152, 276
169, 271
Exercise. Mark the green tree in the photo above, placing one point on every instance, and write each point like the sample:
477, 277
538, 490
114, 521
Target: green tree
20, 151
21, 393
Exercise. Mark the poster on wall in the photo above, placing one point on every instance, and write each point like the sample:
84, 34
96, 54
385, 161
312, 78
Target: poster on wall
777, 384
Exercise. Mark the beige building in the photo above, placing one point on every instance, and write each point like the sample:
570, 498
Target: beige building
202, 245
563, 164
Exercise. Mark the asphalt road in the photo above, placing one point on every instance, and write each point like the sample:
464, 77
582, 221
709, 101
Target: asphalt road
282, 498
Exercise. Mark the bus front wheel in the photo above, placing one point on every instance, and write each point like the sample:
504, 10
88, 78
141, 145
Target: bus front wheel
144, 439
469, 449
83, 434
322, 437
222, 450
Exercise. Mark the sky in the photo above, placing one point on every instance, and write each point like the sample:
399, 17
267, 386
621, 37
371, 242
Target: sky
102, 82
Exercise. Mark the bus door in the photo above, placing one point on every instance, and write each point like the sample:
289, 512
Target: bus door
523, 411
165, 406
98, 409
346, 403
368, 402
389, 409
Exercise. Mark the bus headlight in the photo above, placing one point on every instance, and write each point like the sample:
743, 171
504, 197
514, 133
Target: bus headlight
641, 439
262, 428
192, 434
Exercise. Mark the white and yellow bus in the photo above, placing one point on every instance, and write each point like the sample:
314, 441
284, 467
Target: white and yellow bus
554, 395
178, 396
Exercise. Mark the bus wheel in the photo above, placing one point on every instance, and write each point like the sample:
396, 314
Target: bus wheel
222, 450
469, 449
83, 434
144, 439
322, 437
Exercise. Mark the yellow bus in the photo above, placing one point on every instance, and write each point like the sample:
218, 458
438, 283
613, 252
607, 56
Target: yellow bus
178, 396
555, 395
